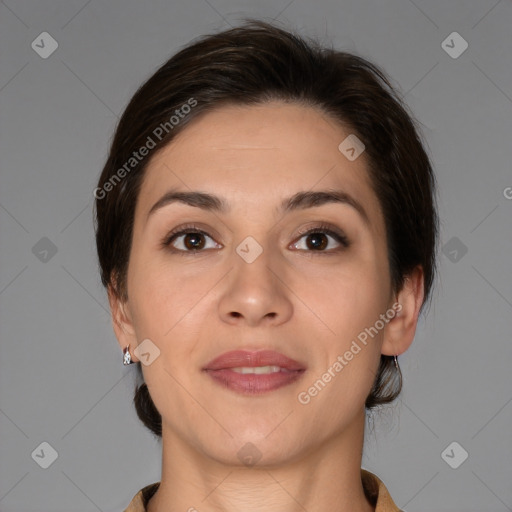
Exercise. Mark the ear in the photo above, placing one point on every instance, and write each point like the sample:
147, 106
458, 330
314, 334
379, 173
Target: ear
399, 332
122, 322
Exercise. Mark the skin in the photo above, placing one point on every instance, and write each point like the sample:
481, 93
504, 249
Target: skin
295, 299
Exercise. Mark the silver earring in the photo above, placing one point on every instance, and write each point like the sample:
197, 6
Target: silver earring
127, 358
396, 362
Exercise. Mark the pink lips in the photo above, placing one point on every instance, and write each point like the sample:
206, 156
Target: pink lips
220, 369
238, 358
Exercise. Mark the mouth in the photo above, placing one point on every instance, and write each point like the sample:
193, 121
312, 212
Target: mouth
252, 373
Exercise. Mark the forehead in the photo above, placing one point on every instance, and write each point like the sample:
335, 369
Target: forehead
256, 155
261, 132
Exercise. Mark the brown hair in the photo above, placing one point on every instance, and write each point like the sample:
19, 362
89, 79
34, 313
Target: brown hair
252, 64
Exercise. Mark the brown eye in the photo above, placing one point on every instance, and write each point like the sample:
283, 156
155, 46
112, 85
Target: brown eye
188, 240
193, 241
317, 239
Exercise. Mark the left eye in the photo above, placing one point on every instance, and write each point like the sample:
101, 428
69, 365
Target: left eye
317, 239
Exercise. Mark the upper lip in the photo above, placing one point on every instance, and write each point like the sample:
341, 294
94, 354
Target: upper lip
246, 358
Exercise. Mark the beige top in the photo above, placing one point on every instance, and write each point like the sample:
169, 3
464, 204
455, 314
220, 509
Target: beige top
374, 490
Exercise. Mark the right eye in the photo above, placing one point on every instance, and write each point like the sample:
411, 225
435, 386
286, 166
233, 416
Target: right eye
187, 239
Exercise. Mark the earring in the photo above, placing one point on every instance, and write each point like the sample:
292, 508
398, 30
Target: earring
127, 358
396, 362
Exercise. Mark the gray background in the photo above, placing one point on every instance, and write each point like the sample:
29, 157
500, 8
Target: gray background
61, 375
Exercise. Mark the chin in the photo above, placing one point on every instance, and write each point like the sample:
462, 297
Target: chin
250, 447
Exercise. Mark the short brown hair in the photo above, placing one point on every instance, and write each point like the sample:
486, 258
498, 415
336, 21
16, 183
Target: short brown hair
251, 64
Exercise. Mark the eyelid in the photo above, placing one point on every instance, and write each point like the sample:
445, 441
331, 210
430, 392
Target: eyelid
183, 230
327, 229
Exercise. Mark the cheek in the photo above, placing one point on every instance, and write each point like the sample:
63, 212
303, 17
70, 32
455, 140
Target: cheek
352, 306
166, 296
347, 297
349, 303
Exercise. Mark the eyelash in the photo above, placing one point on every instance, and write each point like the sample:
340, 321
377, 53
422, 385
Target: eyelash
323, 229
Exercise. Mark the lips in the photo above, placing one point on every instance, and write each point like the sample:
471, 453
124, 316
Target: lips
269, 371
245, 358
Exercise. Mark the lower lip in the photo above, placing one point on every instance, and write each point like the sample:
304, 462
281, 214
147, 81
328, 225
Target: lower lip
251, 383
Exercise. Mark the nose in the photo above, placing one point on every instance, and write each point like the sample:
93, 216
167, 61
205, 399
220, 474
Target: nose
256, 293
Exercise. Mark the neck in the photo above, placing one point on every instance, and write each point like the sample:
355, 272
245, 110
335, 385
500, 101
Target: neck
328, 474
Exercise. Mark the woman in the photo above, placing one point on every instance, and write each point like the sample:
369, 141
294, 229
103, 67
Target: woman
266, 231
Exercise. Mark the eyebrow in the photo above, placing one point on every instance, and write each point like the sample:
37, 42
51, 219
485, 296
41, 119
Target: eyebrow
299, 201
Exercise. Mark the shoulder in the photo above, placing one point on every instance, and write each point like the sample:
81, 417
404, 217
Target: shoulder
141, 499
377, 493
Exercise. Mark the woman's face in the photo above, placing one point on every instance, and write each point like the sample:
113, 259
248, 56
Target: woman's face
246, 278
